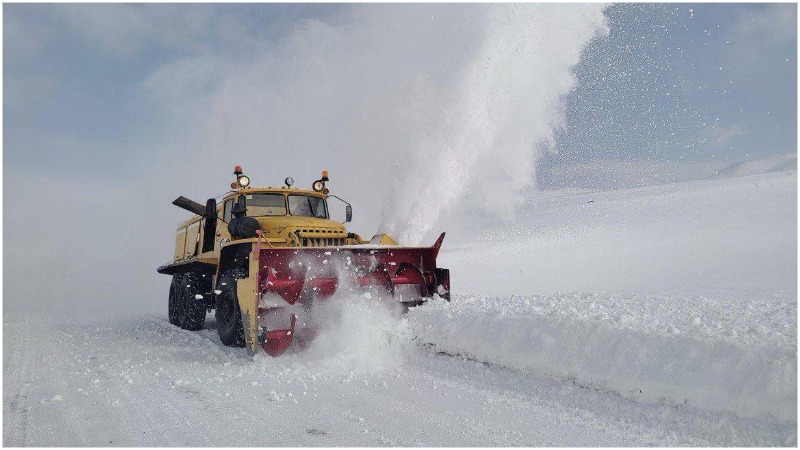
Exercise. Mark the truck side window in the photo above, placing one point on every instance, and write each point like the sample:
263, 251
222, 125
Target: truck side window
228, 210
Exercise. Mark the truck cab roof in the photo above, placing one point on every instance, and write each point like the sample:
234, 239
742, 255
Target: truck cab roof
272, 190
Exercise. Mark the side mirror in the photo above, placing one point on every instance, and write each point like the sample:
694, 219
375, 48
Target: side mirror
348, 213
211, 208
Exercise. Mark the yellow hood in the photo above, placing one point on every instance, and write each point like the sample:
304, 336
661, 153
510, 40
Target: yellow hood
297, 222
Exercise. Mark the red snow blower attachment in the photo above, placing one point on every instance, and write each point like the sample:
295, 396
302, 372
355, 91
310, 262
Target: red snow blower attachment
291, 280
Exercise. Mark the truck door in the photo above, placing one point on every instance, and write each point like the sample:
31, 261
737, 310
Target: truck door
222, 223
210, 226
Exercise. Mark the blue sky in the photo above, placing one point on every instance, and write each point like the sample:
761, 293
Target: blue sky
74, 73
686, 83
680, 83
420, 112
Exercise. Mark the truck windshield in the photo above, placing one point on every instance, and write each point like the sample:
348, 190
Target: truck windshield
306, 205
265, 205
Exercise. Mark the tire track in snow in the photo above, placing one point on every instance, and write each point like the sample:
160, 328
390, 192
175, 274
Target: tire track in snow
151, 414
16, 372
206, 337
179, 430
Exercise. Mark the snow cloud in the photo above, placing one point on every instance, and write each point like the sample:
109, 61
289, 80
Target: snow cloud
473, 108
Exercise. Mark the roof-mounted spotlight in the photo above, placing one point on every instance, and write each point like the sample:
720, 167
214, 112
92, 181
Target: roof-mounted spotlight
319, 185
289, 181
242, 181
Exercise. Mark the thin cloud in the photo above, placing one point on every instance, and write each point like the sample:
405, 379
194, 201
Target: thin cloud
762, 33
770, 24
719, 136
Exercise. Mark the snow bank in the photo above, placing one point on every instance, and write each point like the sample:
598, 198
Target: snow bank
776, 163
722, 238
711, 354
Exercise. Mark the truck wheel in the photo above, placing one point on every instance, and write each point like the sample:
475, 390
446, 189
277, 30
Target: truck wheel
227, 313
192, 310
172, 306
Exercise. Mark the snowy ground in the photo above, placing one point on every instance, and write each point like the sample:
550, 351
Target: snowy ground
682, 332
139, 381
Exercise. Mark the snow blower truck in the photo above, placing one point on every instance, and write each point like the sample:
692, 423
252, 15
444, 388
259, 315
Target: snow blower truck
263, 256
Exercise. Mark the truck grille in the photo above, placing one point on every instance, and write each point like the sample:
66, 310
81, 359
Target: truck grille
321, 237
321, 242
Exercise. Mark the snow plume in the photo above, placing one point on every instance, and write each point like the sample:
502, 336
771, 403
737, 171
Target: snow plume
403, 102
362, 332
405, 105
359, 328
504, 106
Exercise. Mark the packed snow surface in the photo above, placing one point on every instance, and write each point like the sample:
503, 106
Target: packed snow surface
658, 316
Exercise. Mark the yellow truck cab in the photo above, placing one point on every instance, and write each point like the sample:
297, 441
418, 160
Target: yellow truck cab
287, 217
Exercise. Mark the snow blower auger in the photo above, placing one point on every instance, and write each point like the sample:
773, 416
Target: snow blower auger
263, 256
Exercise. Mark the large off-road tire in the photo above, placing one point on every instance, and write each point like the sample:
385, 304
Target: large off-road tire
228, 313
192, 310
172, 305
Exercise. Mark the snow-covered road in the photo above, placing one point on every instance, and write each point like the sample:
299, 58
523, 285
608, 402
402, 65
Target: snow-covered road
117, 381
679, 328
